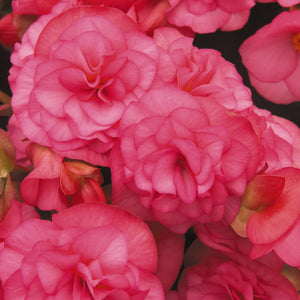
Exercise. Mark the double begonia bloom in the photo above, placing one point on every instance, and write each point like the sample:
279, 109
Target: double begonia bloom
88, 64
272, 58
279, 139
208, 16
221, 278
89, 251
179, 158
270, 215
204, 72
56, 183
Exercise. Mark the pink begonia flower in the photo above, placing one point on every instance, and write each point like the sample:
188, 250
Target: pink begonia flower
204, 72
207, 16
55, 183
89, 251
270, 215
272, 58
179, 158
90, 86
284, 3
221, 278
18, 213
279, 139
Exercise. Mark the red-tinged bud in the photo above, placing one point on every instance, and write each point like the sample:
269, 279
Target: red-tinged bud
81, 181
149, 14
260, 193
90, 191
270, 207
13, 26
8, 32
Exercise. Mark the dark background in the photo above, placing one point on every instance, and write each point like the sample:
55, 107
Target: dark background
226, 42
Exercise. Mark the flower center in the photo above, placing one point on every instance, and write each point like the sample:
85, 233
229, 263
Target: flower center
296, 42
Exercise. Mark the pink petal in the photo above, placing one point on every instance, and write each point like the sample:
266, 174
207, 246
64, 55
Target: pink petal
170, 254
233, 161
287, 249
49, 275
185, 184
110, 249
46, 96
163, 173
276, 92
10, 262
173, 220
233, 6
204, 22
29, 233
171, 128
292, 81
151, 282
15, 289
141, 245
121, 195
65, 19
151, 103
236, 21
20, 102
165, 203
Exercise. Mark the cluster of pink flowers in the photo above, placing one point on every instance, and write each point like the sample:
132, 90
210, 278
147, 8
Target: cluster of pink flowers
119, 85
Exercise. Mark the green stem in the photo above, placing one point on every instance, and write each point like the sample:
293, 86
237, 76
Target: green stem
5, 110
4, 98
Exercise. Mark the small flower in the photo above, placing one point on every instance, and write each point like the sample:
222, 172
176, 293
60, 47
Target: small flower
180, 158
